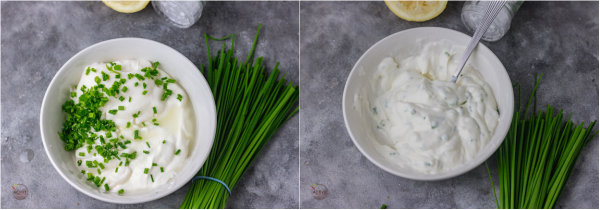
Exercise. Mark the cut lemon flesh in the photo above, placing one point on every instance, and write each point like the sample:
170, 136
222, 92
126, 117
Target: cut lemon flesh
417, 11
126, 6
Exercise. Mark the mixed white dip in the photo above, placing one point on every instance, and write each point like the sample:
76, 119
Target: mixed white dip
153, 127
428, 123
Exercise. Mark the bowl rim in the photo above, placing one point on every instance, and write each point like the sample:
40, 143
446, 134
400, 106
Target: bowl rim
62, 69
425, 177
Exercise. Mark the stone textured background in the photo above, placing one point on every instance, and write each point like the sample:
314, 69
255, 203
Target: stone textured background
559, 39
39, 37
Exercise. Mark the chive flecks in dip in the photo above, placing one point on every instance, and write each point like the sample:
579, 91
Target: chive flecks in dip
108, 123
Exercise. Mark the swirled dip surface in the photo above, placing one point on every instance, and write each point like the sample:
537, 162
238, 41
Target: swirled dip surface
428, 123
152, 128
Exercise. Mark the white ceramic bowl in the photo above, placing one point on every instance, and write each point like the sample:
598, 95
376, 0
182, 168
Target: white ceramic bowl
175, 64
404, 44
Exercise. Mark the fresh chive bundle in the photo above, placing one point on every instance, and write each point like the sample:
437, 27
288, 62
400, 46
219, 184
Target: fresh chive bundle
537, 156
251, 105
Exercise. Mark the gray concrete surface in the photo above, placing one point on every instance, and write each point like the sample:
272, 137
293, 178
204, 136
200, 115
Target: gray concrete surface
559, 39
38, 37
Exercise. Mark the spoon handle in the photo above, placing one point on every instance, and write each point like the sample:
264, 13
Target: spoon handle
490, 14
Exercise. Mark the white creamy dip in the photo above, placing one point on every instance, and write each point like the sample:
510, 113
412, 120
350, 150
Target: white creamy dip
165, 128
428, 123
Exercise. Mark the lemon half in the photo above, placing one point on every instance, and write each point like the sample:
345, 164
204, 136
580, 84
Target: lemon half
126, 6
417, 11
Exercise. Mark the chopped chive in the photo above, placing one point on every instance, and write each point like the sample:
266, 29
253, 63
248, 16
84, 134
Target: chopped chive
162, 169
179, 97
106, 187
121, 191
121, 107
146, 170
136, 134
154, 164
117, 67
73, 94
148, 144
116, 169
121, 98
83, 172
144, 124
87, 71
128, 125
101, 165
136, 84
104, 76
146, 152
99, 172
151, 178
129, 98
79, 162
112, 111
164, 141
124, 89
97, 80
177, 152
145, 92
81, 154
154, 109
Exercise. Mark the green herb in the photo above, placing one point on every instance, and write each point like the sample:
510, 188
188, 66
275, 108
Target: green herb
148, 144
154, 164
113, 111
106, 187
537, 156
121, 191
151, 178
162, 169
268, 101
164, 141
136, 134
383, 206
104, 76
146, 152
144, 85
136, 84
87, 71
79, 162
81, 154
128, 125
144, 93
154, 109
121, 107
116, 169
117, 67
121, 98
124, 89
146, 170
179, 97
177, 152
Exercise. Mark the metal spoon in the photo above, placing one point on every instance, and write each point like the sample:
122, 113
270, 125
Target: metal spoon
490, 14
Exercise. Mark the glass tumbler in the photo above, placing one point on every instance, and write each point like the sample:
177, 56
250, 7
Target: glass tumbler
182, 14
473, 11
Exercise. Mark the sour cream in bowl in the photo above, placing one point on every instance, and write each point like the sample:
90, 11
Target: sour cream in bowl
128, 120
405, 116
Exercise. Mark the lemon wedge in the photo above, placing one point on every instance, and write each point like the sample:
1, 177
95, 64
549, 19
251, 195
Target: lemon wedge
126, 6
417, 11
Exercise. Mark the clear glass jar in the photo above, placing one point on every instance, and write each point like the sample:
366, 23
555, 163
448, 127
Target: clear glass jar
473, 11
182, 14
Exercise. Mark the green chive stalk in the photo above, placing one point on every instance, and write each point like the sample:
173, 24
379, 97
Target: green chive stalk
252, 104
538, 155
